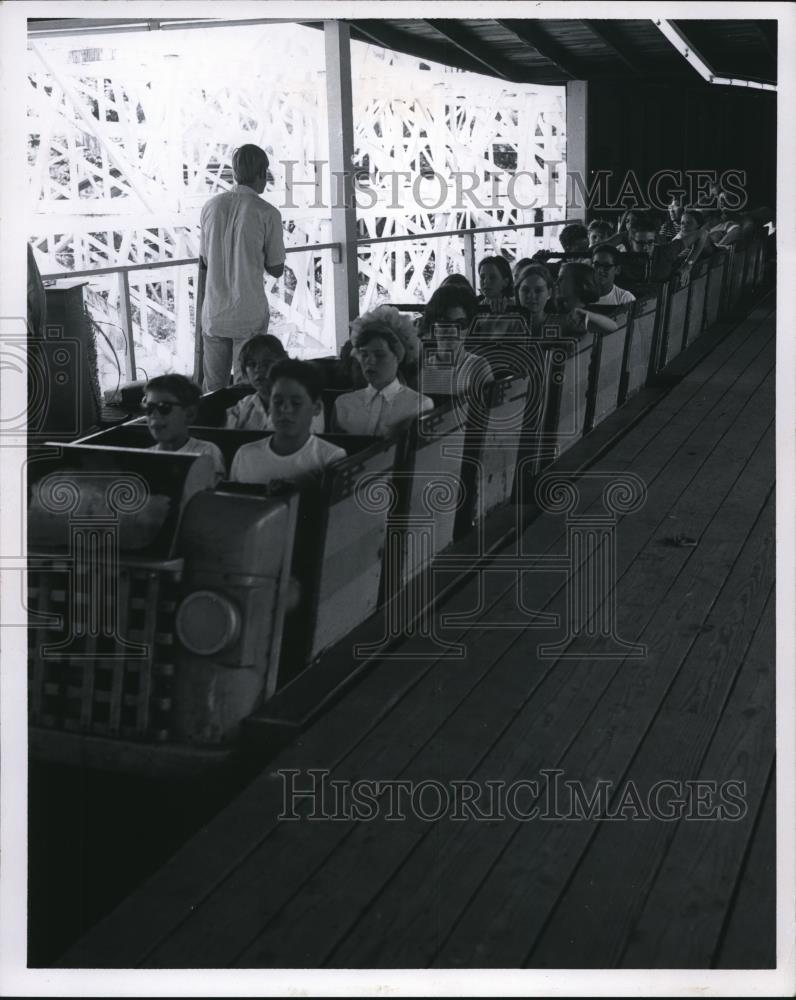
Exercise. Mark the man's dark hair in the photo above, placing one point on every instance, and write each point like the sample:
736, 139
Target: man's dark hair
601, 226
303, 372
616, 255
572, 234
249, 163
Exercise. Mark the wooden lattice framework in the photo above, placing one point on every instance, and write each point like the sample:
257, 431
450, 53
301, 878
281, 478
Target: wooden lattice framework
127, 141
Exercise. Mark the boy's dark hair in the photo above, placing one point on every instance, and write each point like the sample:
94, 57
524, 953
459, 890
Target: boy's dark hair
583, 275
304, 372
249, 163
616, 255
601, 226
571, 234
184, 390
264, 341
503, 267
445, 298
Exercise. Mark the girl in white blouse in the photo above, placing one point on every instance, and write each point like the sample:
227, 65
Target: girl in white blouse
383, 339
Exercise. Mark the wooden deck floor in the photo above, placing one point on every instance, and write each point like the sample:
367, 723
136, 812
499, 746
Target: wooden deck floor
252, 890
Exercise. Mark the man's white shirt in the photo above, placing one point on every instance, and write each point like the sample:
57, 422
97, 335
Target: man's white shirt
240, 234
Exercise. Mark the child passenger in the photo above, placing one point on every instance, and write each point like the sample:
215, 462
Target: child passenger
292, 456
257, 356
383, 340
497, 288
450, 369
170, 403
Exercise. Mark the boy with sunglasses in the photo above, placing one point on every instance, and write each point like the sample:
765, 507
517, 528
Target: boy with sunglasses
170, 404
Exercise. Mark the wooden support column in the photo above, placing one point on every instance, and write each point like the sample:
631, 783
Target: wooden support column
340, 116
577, 145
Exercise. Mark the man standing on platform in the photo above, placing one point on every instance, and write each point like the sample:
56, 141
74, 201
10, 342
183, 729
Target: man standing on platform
241, 236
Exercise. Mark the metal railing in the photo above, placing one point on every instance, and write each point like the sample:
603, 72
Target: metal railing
123, 270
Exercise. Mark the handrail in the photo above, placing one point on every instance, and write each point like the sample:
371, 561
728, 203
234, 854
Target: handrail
174, 262
362, 241
462, 232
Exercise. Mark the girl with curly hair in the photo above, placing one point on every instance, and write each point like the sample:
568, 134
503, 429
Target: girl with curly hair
382, 341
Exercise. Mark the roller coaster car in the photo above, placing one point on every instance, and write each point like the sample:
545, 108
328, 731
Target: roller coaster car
163, 611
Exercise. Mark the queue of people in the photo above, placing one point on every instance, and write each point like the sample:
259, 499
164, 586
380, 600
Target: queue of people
391, 367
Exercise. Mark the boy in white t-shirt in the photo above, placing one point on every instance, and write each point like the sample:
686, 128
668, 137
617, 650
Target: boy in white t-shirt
170, 404
293, 455
606, 262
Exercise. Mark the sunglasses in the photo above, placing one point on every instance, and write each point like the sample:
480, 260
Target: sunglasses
164, 409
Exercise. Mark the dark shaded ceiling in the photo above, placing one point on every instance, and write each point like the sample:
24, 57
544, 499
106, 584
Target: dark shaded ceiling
554, 51
542, 51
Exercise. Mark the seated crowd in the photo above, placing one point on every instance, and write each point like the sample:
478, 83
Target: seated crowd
391, 367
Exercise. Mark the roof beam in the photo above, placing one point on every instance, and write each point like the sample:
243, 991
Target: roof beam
533, 37
471, 47
379, 33
606, 32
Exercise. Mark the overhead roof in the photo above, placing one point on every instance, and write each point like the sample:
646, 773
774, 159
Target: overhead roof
538, 51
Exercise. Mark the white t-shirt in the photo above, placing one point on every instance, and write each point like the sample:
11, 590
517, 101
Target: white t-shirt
373, 413
249, 414
194, 446
240, 234
257, 462
616, 297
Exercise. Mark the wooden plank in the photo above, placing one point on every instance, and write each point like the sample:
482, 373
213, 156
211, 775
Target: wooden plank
612, 351
595, 916
326, 760
513, 907
743, 946
267, 878
696, 396
126, 936
431, 911
682, 918
696, 309
713, 295
641, 335
675, 323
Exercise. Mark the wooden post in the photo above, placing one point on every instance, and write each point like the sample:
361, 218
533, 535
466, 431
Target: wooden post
198, 352
469, 259
126, 316
577, 148
341, 176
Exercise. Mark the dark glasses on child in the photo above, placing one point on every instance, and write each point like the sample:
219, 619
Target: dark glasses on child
164, 409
